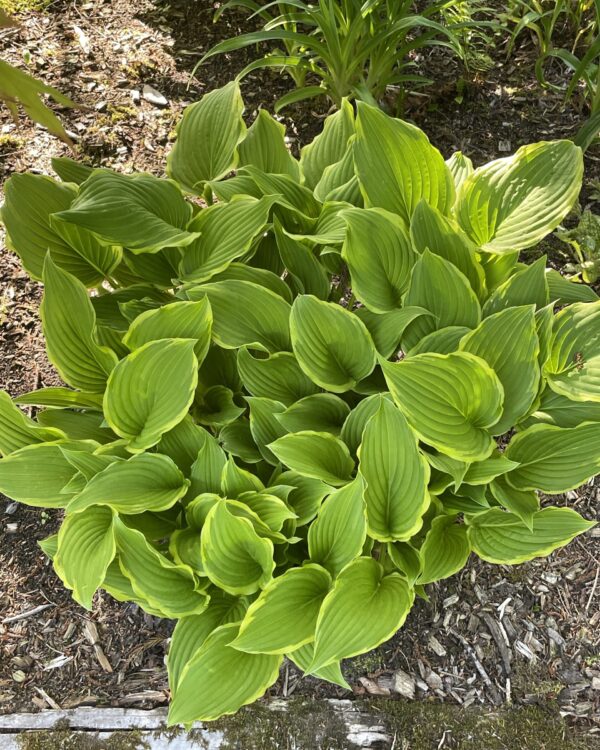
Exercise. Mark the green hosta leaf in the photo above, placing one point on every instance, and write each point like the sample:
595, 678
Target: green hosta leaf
332, 346
339, 183
561, 411
456, 470
338, 533
77, 425
380, 270
460, 167
235, 481
523, 503
397, 166
217, 407
179, 320
207, 139
264, 147
277, 376
220, 368
513, 203
503, 538
564, 290
88, 464
302, 658
17, 430
70, 170
554, 459
150, 391
439, 287
450, 400
191, 632
184, 548
527, 286
264, 425
168, 588
138, 211
235, 558
35, 475
86, 547
69, 322
245, 314
322, 412
308, 274
329, 146
407, 559
508, 342
482, 472
364, 608
269, 508
498, 268
430, 230
284, 616
445, 550
145, 482
30, 202
226, 232
61, 397
395, 474
319, 455
444, 341
293, 201
573, 368
356, 421
242, 272
183, 442
387, 329
306, 496
242, 679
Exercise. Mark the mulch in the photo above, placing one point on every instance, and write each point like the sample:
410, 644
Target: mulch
492, 634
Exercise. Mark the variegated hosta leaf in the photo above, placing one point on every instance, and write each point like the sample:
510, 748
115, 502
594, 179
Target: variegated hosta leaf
395, 474
277, 376
191, 632
86, 547
168, 588
573, 367
235, 558
225, 232
36, 474
554, 459
523, 503
207, 139
179, 320
321, 412
69, 324
329, 146
512, 203
30, 201
445, 550
246, 314
146, 482
243, 678
460, 167
527, 286
562, 411
319, 455
430, 230
438, 286
503, 538
17, 430
452, 401
356, 421
284, 616
150, 391
139, 211
308, 274
364, 608
397, 166
508, 342
338, 533
264, 147
380, 257
302, 658
332, 346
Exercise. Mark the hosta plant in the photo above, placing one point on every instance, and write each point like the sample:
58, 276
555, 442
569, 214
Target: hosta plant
293, 404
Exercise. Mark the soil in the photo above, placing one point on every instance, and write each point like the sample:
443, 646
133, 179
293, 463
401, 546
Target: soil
491, 635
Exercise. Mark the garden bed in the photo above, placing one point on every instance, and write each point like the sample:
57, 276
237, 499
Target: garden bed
489, 636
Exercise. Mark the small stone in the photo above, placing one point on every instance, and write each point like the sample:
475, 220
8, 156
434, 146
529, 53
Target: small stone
595, 683
434, 681
135, 96
504, 146
550, 578
153, 96
404, 684
11, 508
556, 637
436, 646
101, 106
449, 601
12, 528
19, 676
